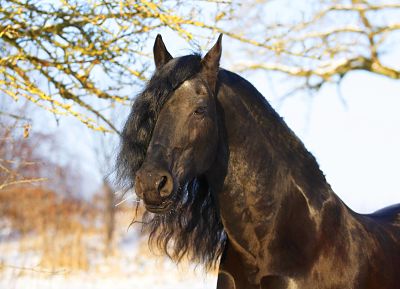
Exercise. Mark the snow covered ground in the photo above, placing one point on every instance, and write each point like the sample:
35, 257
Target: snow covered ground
131, 266
156, 279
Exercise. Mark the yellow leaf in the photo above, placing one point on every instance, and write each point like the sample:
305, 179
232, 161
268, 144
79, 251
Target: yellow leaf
27, 128
220, 16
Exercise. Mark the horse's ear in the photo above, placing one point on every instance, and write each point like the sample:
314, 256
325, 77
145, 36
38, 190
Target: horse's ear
161, 54
210, 63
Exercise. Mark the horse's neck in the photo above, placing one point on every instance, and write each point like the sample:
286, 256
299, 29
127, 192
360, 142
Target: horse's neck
266, 161
276, 207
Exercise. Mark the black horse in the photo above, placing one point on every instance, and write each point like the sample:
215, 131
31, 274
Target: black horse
224, 180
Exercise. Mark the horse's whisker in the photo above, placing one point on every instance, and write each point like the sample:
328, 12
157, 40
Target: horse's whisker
128, 198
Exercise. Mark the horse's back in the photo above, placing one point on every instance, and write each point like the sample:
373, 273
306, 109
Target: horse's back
389, 215
386, 221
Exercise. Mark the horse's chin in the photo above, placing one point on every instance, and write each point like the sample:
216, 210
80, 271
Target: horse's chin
161, 209
165, 207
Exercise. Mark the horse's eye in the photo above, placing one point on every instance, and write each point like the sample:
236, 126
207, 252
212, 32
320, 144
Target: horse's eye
200, 110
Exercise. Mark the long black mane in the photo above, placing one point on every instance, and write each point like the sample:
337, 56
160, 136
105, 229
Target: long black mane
193, 229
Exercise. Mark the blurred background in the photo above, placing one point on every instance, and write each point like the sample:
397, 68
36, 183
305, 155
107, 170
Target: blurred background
69, 71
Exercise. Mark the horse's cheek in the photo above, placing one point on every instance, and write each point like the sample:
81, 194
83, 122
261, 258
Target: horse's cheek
208, 138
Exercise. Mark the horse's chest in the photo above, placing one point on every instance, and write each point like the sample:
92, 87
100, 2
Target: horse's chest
246, 215
245, 228
239, 227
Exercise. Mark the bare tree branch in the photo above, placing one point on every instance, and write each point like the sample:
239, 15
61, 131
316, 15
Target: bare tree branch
325, 43
56, 53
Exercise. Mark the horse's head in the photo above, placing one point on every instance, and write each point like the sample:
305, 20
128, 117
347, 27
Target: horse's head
168, 145
184, 139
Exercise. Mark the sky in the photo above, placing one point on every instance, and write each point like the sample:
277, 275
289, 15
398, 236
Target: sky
356, 142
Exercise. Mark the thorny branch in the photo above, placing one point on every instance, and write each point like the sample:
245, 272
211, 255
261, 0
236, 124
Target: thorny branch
10, 170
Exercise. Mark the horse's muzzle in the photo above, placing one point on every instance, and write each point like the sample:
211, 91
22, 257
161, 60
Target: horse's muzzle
155, 187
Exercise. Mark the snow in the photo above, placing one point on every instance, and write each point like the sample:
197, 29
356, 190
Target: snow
156, 279
131, 266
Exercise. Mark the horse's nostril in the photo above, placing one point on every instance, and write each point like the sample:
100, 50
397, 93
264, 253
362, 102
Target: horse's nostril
161, 184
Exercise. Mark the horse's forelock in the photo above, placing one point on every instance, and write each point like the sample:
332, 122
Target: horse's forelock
139, 126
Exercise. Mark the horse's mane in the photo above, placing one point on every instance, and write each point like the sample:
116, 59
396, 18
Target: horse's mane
193, 229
